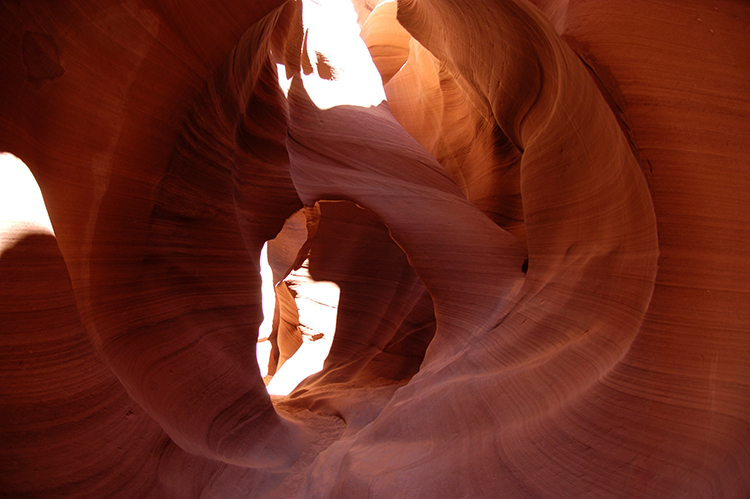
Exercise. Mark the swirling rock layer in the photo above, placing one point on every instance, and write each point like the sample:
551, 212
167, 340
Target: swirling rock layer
540, 241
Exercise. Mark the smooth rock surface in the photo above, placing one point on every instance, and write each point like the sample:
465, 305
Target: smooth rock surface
536, 214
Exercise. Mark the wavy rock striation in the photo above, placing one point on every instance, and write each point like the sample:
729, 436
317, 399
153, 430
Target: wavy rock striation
535, 213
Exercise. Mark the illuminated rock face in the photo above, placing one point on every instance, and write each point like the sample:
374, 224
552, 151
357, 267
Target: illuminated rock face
540, 243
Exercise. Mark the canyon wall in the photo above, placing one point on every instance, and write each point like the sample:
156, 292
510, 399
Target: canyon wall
537, 214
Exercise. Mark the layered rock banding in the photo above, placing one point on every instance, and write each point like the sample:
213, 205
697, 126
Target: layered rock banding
539, 239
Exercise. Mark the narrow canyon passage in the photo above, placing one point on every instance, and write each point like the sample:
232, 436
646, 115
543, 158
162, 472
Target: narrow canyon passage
525, 221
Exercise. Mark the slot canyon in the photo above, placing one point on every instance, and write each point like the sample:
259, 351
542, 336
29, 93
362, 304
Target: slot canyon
526, 221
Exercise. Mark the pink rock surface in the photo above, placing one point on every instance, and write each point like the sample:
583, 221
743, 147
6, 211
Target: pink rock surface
540, 241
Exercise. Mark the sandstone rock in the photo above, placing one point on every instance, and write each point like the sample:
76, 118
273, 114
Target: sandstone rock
535, 212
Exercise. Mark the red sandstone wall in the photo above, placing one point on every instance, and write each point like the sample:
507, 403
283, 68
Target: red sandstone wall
605, 142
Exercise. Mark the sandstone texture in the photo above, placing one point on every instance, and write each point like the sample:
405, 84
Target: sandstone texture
535, 215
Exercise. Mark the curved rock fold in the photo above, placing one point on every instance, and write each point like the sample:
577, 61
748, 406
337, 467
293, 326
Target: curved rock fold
534, 212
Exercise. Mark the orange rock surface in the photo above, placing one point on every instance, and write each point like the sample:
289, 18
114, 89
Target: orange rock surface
537, 214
